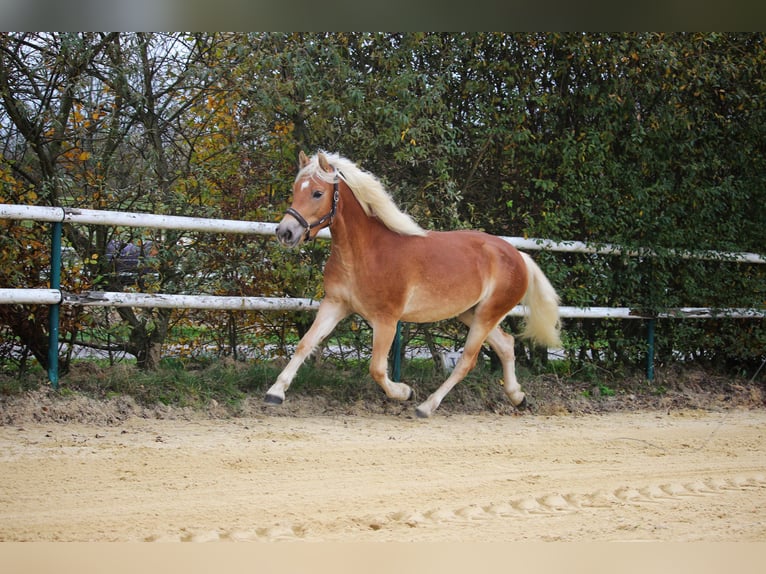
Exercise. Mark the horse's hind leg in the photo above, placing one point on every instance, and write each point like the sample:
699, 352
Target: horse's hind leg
476, 334
502, 343
382, 336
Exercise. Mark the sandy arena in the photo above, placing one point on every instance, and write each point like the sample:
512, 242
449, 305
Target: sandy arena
688, 475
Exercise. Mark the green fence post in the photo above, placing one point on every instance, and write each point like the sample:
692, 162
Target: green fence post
650, 351
397, 374
53, 316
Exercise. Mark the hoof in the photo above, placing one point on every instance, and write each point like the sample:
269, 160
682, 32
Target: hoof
421, 414
523, 405
273, 400
412, 395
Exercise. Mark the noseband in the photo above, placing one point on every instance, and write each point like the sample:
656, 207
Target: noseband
322, 220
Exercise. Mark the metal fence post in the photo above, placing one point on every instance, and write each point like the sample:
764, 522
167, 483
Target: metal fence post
650, 351
53, 315
397, 374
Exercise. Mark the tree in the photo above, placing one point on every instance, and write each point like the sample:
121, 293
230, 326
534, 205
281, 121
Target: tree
99, 120
40, 77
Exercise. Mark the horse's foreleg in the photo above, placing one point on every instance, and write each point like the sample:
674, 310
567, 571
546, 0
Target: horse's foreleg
328, 315
382, 336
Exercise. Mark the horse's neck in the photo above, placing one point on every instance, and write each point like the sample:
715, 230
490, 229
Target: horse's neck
353, 230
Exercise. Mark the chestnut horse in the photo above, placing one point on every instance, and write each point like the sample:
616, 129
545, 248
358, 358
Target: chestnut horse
386, 268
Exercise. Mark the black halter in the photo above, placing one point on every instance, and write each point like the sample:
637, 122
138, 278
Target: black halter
328, 217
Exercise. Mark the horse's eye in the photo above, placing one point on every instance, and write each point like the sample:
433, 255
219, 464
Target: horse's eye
317, 194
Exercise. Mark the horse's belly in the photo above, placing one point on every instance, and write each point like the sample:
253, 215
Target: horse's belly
430, 305
430, 315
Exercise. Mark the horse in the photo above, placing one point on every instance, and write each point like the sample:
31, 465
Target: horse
386, 268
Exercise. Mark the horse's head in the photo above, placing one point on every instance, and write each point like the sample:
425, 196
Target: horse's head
315, 198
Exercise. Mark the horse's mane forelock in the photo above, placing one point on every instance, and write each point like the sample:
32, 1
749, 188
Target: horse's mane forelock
368, 190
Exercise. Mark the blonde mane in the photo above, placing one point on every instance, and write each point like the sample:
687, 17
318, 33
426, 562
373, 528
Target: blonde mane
368, 190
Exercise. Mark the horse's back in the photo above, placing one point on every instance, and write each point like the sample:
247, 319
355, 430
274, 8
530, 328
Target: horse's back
446, 273
474, 248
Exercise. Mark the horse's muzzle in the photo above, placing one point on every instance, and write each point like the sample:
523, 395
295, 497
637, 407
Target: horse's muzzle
290, 232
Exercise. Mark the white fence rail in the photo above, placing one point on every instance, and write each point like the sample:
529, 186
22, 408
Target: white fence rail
128, 219
132, 219
231, 303
608, 249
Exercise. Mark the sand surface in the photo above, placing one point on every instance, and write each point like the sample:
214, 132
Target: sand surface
690, 475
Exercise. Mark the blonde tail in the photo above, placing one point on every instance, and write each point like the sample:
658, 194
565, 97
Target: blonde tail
542, 323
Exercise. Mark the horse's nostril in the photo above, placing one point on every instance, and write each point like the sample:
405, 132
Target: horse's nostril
284, 234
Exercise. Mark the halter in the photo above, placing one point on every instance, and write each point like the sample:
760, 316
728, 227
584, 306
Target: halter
322, 220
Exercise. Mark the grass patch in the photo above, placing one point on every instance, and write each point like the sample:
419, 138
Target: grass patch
236, 386
185, 384
173, 384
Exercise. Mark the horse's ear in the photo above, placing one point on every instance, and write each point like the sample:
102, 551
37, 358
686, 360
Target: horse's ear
323, 163
303, 161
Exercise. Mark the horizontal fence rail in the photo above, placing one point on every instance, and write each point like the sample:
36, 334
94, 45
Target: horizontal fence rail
233, 303
136, 219
608, 249
56, 297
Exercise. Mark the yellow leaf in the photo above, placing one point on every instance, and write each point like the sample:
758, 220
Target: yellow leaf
85, 156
